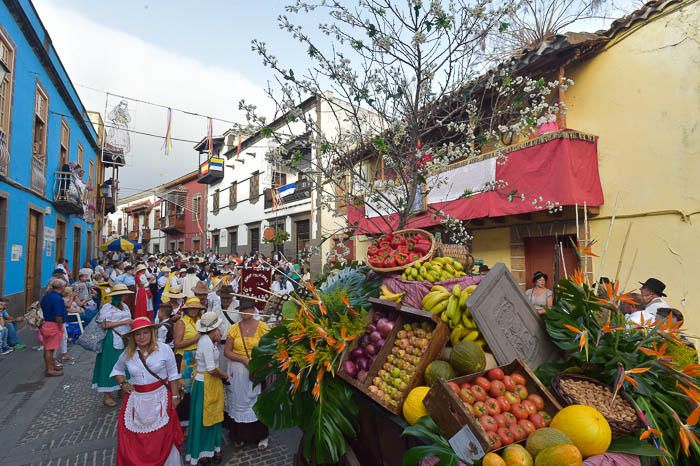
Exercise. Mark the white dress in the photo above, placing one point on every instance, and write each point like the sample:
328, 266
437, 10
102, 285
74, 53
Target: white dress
111, 313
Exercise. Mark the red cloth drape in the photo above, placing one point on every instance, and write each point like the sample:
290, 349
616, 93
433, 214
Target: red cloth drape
562, 170
153, 448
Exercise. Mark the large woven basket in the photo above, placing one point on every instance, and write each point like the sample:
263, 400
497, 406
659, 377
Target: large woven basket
458, 252
426, 257
621, 423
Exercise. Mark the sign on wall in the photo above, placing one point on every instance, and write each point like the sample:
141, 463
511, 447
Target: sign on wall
223, 238
16, 252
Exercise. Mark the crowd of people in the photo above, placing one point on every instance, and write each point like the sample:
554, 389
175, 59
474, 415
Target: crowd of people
176, 341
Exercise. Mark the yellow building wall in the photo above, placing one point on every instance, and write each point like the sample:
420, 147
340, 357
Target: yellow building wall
641, 96
492, 246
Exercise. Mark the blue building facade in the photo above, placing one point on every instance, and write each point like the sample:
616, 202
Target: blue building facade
47, 202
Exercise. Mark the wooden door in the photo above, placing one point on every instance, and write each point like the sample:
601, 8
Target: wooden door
540, 255
60, 239
254, 240
33, 273
76, 252
195, 245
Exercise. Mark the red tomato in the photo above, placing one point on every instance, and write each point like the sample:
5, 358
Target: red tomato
488, 423
479, 393
510, 419
496, 374
503, 404
527, 426
512, 397
479, 409
530, 406
454, 387
538, 400
492, 406
494, 440
467, 396
518, 378
547, 418
469, 408
500, 420
508, 382
537, 420
484, 383
521, 391
506, 436
519, 411
465, 385
518, 432
497, 388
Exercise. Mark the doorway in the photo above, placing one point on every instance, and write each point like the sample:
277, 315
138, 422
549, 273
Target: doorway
76, 252
233, 242
254, 240
60, 239
541, 254
303, 235
88, 245
3, 239
196, 245
33, 274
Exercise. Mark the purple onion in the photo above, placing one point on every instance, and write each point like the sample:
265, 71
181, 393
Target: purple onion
384, 327
350, 368
380, 344
370, 350
375, 336
362, 364
357, 353
364, 340
371, 328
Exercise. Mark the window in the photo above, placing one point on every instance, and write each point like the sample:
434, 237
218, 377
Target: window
41, 116
254, 240
341, 192
81, 157
233, 195
7, 56
254, 187
216, 200
278, 179
196, 207
119, 227
65, 143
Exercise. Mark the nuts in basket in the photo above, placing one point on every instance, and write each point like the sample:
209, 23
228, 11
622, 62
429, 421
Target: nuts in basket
600, 397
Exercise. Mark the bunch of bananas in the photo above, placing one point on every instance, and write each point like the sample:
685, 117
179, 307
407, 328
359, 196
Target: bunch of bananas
451, 306
436, 270
389, 295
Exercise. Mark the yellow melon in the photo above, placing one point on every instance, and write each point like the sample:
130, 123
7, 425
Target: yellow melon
413, 407
559, 455
586, 427
517, 455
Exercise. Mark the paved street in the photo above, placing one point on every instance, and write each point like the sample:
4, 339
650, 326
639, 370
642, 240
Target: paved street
61, 421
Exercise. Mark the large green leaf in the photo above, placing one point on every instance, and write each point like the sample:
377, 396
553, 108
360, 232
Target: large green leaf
634, 446
426, 429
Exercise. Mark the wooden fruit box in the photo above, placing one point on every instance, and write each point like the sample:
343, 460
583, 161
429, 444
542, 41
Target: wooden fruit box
358, 384
440, 337
451, 415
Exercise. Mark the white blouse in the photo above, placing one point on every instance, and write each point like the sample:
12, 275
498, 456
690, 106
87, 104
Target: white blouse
161, 362
207, 356
111, 313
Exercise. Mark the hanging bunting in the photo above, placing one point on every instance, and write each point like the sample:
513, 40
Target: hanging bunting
210, 137
168, 142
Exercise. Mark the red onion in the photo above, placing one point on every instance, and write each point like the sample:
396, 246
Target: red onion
364, 340
375, 336
362, 375
380, 344
371, 328
370, 350
357, 353
384, 327
378, 315
362, 364
350, 368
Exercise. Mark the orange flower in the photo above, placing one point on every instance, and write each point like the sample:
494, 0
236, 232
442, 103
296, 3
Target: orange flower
636, 370
659, 353
686, 434
614, 297
316, 392
608, 328
323, 309
585, 249
282, 355
340, 347
345, 301
344, 335
331, 341
295, 380
327, 365
309, 358
649, 432
691, 370
669, 329
297, 337
582, 341
579, 277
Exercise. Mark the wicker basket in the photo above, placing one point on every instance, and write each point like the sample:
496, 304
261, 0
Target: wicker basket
426, 257
621, 423
456, 251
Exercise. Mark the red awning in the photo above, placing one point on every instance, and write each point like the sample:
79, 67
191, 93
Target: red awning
559, 167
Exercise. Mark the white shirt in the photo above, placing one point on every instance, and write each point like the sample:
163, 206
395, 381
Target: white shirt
207, 356
162, 281
189, 282
649, 312
213, 300
277, 287
225, 323
111, 313
161, 362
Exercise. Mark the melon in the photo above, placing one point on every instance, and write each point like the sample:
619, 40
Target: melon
516, 455
492, 459
438, 370
544, 438
413, 407
467, 357
586, 427
559, 455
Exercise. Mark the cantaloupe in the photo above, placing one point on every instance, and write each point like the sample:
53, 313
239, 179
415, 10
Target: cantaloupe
438, 370
559, 455
544, 438
516, 455
467, 357
586, 427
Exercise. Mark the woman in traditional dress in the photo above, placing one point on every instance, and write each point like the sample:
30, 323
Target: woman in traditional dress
207, 396
243, 425
148, 429
115, 317
143, 306
185, 338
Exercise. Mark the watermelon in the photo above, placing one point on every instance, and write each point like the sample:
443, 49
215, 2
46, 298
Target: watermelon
438, 370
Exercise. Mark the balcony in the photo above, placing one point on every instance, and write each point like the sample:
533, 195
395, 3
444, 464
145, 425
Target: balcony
145, 235
211, 170
173, 222
299, 191
67, 195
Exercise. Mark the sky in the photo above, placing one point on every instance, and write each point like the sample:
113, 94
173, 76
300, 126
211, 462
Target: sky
193, 55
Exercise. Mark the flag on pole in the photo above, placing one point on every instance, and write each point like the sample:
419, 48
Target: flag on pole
277, 201
168, 142
210, 136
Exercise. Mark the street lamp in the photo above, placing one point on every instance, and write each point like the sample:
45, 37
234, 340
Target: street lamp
4, 71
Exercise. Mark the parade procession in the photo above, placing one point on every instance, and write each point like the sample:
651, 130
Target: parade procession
354, 233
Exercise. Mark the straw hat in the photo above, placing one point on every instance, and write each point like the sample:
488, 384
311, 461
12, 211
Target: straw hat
118, 290
225, 290
245, 303
165, 269
175, 292
140, 267
208, 322
138, 324
182, 270
200, 288
192, 303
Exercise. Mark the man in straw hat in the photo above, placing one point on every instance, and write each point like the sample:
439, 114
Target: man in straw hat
147, 434
201, 292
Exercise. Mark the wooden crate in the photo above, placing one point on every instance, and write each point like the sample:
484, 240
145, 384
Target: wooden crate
450, 414
358, 384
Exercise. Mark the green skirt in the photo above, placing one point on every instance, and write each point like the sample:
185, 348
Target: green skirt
202, 442
104, 363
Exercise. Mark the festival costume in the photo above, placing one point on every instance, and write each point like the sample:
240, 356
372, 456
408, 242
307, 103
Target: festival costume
112, 347
186, 363
143, 297
148, 430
